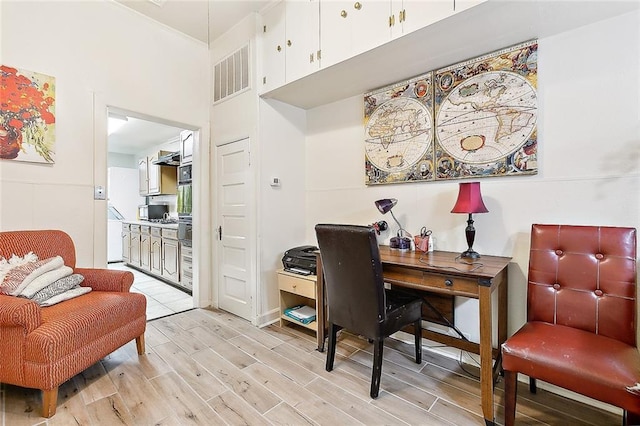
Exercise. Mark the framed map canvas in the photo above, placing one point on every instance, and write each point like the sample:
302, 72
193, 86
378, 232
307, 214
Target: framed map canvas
398, 122
485, 115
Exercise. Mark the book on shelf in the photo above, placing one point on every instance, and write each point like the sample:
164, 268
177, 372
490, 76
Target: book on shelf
302, 313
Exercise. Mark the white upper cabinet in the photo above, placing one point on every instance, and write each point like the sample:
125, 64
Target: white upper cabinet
348, 28
411, 15
290, 42
273, 36
460, 5
303, 38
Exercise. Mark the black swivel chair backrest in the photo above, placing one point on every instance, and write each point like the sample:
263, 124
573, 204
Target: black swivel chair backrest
353, 277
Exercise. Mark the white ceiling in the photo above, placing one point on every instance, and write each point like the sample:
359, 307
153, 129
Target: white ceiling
190, 16
138, 135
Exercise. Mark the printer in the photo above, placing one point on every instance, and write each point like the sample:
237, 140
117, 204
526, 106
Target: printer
300, 260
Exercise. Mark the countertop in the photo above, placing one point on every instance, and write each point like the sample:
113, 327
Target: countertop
154, 224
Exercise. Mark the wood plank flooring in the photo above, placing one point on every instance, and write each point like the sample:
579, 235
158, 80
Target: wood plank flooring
208, 367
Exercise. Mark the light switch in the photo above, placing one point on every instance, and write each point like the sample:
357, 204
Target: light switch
275, 182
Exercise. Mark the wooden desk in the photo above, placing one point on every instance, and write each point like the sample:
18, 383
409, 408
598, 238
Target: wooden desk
440, 272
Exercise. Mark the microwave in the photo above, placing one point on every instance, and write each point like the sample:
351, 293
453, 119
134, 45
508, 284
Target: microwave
152, 211
184, 174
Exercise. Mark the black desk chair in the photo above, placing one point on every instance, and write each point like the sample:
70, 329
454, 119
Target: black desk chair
356, 297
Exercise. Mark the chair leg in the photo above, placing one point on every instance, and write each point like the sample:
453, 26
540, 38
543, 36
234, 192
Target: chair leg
140, 344
630, 419
377, 367
331, 350
510, 395
417, 329
49, 402
533, 388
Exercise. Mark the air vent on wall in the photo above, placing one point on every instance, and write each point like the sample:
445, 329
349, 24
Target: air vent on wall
231, 75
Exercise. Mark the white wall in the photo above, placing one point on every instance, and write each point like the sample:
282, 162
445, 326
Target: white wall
589, 161
101, 54
276, 133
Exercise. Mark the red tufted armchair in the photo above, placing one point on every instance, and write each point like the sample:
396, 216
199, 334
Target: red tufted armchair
42, 347
581, 317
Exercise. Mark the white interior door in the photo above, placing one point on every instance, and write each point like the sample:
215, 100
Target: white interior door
235, 290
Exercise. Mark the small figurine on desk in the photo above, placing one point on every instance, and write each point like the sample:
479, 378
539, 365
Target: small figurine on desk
380, 226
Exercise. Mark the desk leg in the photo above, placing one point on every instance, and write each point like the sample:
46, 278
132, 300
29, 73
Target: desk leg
486, 357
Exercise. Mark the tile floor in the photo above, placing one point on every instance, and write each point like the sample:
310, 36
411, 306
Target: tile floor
162, 299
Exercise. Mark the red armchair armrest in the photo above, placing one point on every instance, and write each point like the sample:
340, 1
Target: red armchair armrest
17, 311
106, 279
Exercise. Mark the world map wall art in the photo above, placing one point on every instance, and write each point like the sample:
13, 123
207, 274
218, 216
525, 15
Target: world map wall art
468, 120
27, 116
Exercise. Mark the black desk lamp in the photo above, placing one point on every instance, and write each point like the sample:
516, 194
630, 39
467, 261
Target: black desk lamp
469, 201
400, 241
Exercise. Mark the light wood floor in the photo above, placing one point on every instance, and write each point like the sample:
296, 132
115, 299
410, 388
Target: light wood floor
208, 367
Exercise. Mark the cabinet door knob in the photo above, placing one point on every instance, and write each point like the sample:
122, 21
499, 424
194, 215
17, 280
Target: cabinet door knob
278, 48
448, 282
289, 43
343, 13
357, 5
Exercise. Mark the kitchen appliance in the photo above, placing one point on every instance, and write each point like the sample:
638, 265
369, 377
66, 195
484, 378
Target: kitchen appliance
169, 159
152, 211
300, 260
185, 192
184, 174
185, 227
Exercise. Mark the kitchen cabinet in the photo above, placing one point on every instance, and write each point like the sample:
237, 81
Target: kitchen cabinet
153, 249
154, 179
410, 15
186, 147
186, 267
143, 176
170, 255
126, 242
290, 42
145, 248
134, 252
348, 28
156, 250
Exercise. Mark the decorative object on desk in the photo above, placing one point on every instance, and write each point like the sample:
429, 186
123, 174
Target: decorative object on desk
469, 201
400, 241
381, 225
486, 113
423, 241
302, 313
398, 122
27, 115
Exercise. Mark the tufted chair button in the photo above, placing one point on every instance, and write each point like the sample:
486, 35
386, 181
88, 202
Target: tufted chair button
599, 256
598, 292
559, 252
556, 286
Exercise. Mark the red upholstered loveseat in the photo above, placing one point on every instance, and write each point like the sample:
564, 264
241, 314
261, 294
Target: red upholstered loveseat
42, 347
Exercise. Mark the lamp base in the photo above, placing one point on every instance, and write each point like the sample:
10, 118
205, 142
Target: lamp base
400, 243
470, 254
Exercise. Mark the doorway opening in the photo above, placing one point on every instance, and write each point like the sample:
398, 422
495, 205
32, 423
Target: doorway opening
143, 159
